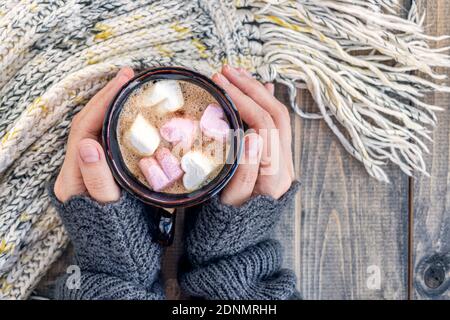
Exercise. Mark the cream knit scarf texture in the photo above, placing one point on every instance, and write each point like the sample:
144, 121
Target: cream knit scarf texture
366, 67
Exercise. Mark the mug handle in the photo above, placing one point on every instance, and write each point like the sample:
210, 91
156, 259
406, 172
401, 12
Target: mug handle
165, 225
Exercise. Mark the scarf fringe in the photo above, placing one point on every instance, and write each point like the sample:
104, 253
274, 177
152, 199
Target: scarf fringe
357, 59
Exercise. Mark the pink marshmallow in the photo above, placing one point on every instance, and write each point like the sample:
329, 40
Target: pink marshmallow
169, 164
154, 174
179, 130
213, 124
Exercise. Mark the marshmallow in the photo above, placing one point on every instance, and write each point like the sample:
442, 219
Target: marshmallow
169, 164
213, 124
143, 137
166, 94
197, 168
179, 130
154, 174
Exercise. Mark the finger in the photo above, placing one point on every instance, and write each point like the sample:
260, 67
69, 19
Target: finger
255, 116
68, 184
274, 180
256, 91
95, 172
250, 111
90, 119
245, 72
270, 87
241, 186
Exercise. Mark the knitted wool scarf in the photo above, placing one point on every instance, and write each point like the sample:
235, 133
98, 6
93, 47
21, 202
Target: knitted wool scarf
356, 57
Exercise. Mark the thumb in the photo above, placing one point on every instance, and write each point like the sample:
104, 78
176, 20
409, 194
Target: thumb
241, 186
97, 177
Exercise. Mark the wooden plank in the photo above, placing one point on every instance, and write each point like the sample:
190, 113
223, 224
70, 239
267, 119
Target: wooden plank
171, 260
347, 238
348, 235
431, 205
46, 286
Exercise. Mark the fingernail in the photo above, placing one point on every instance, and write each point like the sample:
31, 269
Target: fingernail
123, 73
89, 153
221, 79
232, 71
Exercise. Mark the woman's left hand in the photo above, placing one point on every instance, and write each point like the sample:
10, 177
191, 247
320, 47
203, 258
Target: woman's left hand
266, 167
85, 168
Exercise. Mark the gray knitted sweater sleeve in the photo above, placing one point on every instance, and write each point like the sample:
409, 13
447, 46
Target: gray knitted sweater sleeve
113, 248
230, 254
229, 251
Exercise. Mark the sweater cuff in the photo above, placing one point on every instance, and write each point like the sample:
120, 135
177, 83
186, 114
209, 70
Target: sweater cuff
253, 274
223, 230
86, 207
113, 238
99, 286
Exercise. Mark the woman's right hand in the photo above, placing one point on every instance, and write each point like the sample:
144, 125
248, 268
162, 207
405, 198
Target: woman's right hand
266, 167
85, 169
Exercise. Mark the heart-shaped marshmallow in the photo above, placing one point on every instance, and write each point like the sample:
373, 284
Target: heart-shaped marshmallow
169, 163
213, 124
179, 130
154, 174
143, 137
163, 171
166, 94
197, 168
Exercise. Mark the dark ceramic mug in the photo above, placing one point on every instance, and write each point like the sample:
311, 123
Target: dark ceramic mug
164, 201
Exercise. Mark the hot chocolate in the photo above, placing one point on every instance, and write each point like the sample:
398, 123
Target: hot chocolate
173, 136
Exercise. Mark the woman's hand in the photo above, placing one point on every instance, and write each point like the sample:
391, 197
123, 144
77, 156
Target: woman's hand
266, 167
85, 168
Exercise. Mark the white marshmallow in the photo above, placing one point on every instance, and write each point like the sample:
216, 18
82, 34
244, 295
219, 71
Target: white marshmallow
166, 94
143, 137
197, 168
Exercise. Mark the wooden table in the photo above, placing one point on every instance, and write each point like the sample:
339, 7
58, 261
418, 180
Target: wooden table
348, 236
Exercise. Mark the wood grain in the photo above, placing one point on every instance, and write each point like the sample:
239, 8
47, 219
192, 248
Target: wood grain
347, 228
171, 260
431, 205
348, 235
